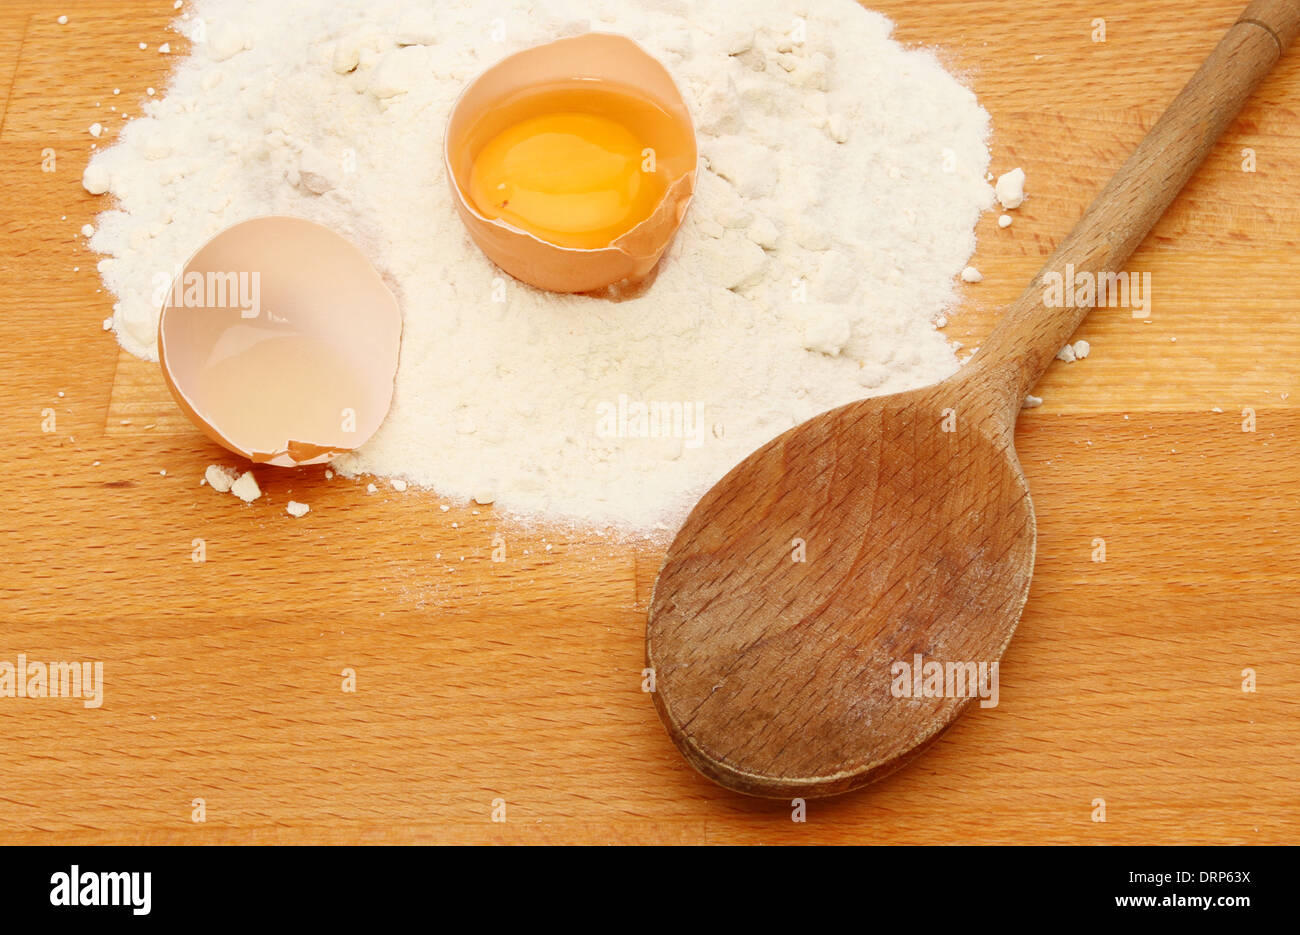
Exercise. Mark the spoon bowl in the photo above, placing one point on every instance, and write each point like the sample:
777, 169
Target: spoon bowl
801, 583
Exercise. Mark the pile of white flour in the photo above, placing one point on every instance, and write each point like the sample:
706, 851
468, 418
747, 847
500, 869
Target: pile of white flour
841, 179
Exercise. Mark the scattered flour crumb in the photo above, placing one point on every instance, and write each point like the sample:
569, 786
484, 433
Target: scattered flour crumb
246, 488
1004, 221
399, 484
297, 510
1082, 349
763, 232
220, 478
347, 55
1066, 354
95, 179
1032, 402
96, 130
371, 488
1010, 189
825, 331
226, 41
838, 128
971, 274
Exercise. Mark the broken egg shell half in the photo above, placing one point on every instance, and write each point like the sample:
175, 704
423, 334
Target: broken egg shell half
588, 57
280, 341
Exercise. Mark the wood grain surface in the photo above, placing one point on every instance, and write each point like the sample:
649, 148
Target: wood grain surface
520, 681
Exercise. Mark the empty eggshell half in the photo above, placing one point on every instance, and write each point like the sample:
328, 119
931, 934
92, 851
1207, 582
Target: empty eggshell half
280, 341
591, 57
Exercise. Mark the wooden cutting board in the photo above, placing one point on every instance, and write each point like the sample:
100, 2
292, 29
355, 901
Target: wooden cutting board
518, 683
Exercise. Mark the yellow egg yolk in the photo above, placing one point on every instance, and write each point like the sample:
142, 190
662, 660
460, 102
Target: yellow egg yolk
572, 179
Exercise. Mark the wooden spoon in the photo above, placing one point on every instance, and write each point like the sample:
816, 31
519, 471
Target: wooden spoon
899, 526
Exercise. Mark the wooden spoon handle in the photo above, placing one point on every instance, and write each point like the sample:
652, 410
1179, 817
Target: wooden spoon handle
1039, 323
